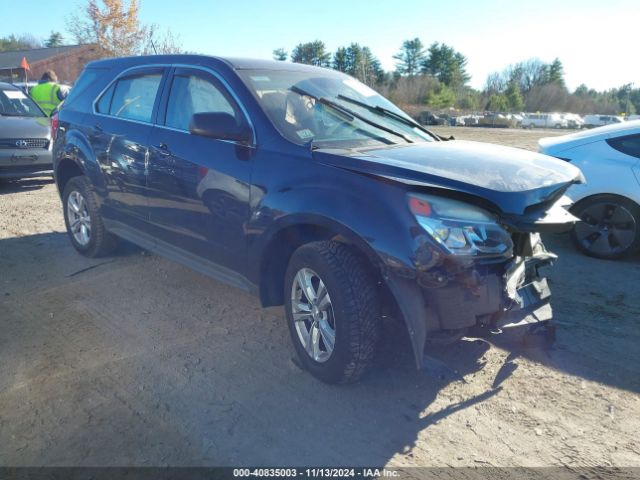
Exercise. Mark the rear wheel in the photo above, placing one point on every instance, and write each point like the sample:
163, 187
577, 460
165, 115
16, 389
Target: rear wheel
332, 311
610, 226
83, 220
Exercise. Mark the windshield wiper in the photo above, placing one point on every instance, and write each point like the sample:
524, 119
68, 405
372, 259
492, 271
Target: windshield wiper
350, 113
388, 113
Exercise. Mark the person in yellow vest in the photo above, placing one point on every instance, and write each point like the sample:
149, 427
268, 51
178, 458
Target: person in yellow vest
48, 94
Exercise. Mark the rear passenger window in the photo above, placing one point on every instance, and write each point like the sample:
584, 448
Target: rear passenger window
629, 145
133, 97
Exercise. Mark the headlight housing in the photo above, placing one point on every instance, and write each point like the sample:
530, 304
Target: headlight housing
459, 227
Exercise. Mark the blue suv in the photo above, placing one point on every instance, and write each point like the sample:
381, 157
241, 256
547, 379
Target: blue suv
308, 189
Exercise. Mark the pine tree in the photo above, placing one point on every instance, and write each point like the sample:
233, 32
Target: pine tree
410, 57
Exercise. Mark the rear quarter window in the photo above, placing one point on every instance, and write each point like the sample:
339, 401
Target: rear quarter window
87, 78
629, 145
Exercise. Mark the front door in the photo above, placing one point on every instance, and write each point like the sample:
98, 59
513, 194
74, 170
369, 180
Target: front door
198, 187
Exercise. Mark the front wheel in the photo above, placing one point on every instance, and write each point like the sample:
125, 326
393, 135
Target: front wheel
332, 311
610, 226
83, 220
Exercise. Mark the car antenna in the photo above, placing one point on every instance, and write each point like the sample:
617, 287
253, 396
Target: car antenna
154, 47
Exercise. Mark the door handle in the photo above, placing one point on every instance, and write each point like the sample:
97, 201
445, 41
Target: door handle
163, 149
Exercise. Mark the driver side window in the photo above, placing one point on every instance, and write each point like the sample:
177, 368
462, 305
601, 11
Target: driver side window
194, 94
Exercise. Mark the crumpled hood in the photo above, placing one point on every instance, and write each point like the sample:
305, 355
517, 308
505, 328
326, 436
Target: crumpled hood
510, 178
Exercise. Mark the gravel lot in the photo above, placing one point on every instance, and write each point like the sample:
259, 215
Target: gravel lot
135, 360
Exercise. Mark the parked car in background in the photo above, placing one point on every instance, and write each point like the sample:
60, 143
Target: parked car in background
591, 121
544, 120
497, 120
25, 86
469, 120
573, 120
429, 119
307, 188
609, 203
25, 135
517, 117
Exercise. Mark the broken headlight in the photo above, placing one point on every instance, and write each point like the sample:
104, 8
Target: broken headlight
461, 228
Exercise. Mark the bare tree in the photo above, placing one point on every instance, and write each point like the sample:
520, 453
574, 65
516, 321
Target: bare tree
161, 42
115, 27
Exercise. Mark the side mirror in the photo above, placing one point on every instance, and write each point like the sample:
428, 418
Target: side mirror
221, 126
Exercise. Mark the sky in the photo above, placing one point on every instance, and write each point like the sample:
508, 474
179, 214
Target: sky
597, 41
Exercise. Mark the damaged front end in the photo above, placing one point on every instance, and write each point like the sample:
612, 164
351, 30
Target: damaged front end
477, 272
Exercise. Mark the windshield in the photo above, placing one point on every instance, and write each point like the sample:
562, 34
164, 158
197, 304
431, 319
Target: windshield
330, 109
14, 103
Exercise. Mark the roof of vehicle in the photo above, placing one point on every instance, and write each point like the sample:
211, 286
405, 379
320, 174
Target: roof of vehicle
235, 63
572, 140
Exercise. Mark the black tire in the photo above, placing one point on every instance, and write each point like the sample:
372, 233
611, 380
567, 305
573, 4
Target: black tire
601, 202
101, 242
355, 306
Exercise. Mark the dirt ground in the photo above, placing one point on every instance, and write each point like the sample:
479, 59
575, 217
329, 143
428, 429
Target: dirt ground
135, 360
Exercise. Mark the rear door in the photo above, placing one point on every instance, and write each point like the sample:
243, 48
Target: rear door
199, 186
120, 131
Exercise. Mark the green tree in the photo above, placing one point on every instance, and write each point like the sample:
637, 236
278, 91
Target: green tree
54, 40
468, 99
280, 54
22, 42
634, 98
582, 90
410, 57
514, 98
446, 64
312, 53
340, 60
556, 72
443, 97
498, 103
358, 62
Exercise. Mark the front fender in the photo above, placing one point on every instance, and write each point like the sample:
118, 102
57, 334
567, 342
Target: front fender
373, 216
375, 223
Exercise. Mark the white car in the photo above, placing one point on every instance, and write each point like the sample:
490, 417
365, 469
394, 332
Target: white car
573, 120
544, 120
609, 202
591, 121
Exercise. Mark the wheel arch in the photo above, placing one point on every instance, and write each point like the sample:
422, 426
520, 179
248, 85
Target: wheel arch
295, 233
66, 169
75, 157
592, 196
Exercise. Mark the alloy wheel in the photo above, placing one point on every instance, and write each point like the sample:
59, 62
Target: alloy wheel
606, 229
79, 218
313, 315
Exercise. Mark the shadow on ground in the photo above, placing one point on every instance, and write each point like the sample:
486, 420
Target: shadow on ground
23, 184
133, 360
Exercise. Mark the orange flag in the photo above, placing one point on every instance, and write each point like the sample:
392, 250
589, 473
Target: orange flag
24, 64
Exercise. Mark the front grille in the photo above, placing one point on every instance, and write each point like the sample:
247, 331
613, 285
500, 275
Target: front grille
24, 143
